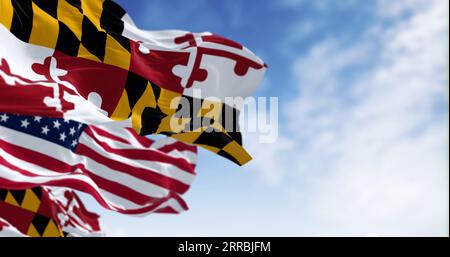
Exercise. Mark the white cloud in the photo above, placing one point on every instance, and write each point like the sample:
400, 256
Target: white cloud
368, 154
396, 9
319, 5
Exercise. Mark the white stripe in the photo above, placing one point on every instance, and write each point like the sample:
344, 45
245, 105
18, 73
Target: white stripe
141, 186
125, 135
15, 176
39, 145
187, 155
144, 187
120, 145
63, 154
132, 137
175, 205
119, 201
114, 143
58, 152
122, 133
166, 169
30, 167
172, 202
114, 201
127, 204
163, 142
45, 175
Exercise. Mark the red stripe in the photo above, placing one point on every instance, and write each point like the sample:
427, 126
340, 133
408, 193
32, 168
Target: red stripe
122, 191
180, 200
58, 166
31, 156
76, 183
106, 134
179, 146
140, 173
170, 210
145, 154
83, 187
167, 210
55, 165
36, 158
110, 186
88, 217
68, 182
7, 164
143, 140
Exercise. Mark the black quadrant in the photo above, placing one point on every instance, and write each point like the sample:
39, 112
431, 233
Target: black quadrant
92, 39
48, 6
68, 42
22, 21
135, 87
40, 222
19, 195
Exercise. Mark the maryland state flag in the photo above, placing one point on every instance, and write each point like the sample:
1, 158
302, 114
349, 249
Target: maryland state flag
45, 212
85, 60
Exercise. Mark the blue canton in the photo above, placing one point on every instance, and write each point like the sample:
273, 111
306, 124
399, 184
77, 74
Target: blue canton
63, 132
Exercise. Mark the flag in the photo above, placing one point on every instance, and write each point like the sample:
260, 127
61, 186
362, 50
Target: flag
71, 214
41, 212
89, 56
123, 171
29, 212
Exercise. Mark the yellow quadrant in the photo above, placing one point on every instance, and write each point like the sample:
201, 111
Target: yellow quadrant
122, 109
238, 152
71, 17
11, 200
32, 231
116, 55
6, 13
45, 28
190, 137
52, 230
84, 53
168, 99
31, 202
93, 10
146, 100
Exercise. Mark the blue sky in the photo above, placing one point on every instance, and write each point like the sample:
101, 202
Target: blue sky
363, 121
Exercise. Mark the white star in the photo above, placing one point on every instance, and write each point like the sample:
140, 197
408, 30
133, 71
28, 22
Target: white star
45, 130
79, 126
74, 143
62, 136
72, 131
24, 123
56, 124
66, 120
37, 118
4, 117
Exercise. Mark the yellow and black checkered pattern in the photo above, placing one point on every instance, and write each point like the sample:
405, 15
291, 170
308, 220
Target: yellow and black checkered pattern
92, 29
30, 212
74, 27
157, 110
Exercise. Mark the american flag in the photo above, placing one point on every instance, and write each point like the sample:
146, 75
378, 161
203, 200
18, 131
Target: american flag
123, 171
